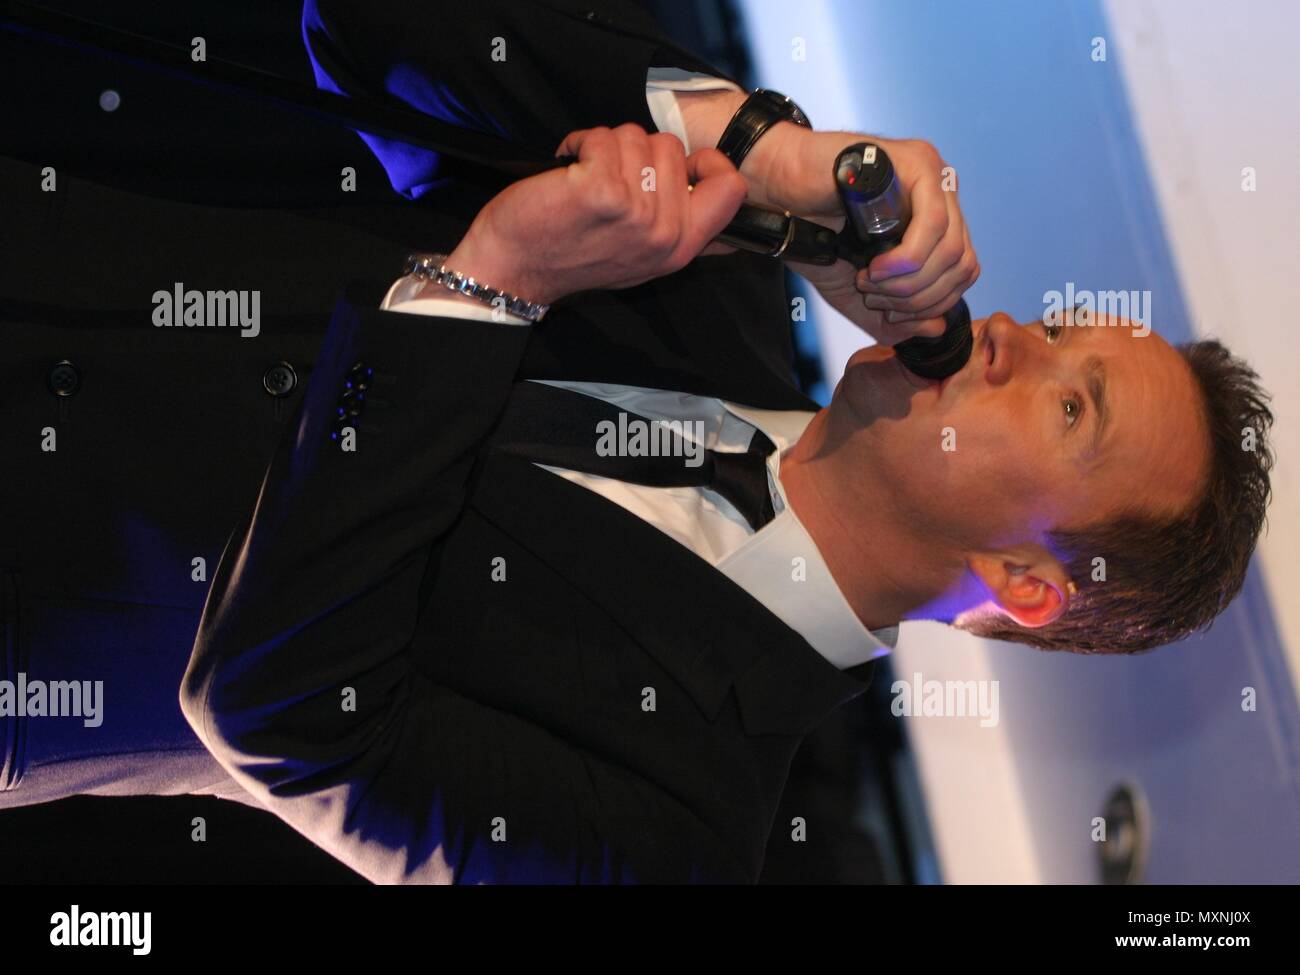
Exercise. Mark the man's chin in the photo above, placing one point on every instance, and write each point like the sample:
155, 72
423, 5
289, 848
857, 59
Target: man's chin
876, 386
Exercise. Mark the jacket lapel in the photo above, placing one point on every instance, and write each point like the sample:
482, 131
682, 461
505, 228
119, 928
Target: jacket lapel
703, 629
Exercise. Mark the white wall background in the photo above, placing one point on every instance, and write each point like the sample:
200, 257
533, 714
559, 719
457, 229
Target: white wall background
1215, 90
1120, 174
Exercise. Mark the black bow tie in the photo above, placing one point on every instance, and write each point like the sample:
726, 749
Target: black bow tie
562, 428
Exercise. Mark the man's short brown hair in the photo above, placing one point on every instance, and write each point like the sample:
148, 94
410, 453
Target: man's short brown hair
1165, 579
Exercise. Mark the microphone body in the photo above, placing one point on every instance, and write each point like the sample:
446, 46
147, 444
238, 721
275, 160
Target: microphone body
877, 216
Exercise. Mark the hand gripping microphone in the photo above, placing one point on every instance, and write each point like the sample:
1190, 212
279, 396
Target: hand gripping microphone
878, 213
876, 208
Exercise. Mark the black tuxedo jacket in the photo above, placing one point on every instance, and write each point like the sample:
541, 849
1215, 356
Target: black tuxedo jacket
442, 663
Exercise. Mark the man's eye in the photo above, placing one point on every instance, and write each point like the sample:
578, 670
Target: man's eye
1072, 405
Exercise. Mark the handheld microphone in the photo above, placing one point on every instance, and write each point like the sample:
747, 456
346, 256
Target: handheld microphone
877, 216
877, 209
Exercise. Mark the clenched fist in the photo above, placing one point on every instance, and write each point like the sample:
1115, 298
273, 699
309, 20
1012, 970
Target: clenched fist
904, 291
603, 222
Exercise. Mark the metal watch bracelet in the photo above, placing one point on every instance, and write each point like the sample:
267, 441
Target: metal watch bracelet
434, 268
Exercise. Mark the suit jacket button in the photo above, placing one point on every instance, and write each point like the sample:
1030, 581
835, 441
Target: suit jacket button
63, 379
359, 377
280, 379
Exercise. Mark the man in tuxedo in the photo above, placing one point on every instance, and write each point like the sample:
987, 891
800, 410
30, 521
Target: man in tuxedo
459, 638
138, 448
134, 449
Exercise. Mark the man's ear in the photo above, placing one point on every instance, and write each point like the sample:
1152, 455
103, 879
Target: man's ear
1026, 583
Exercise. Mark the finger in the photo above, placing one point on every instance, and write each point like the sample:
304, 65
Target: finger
969, 272
597, 175
572, 144
652, 182
892, 333
636, 147
597, 148
936, 310
943, 259
959, 276
939, 307
670, 179
705, 163
930, 217
913, 306
718, 192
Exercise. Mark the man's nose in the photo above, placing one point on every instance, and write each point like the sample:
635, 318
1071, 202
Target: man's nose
1003, 342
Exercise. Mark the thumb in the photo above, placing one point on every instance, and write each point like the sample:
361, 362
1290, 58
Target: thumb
717, 192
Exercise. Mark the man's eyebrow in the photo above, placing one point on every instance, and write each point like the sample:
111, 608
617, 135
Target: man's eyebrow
1095, 378
1095, 370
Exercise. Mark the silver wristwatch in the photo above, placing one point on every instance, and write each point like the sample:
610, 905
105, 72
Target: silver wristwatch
433, 268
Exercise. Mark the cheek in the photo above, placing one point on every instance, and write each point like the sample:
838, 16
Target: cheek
1002, 435
998, 469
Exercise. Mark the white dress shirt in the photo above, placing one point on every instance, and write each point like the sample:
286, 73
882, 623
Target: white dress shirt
779, 565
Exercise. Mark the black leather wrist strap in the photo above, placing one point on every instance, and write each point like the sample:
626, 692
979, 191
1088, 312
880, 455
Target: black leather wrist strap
761, 110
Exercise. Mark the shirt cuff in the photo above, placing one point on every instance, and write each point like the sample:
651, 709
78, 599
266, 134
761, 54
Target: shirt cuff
661, 86
397, 300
